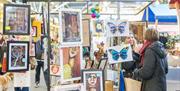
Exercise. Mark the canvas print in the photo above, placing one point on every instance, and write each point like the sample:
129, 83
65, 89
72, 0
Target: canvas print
32, 49
93, 80
71, 63
18, 56
98, 27
55, 70
121, 53
117, 28
71, 26
34, 31
71, 87
16, 19
86, 32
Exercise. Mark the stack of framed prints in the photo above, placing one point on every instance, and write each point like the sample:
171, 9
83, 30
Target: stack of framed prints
71, 42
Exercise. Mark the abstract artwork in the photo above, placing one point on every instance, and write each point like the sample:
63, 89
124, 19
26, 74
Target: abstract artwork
93, 80
16, 19
71, 27
118, 54
117, 28
18, 56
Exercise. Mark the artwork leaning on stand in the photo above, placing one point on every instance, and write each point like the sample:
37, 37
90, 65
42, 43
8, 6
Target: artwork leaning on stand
16, 19
17, 56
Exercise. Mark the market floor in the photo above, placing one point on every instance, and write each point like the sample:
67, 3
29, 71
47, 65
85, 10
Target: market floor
42, 85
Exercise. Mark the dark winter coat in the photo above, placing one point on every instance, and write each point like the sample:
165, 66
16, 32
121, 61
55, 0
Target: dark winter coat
155, 68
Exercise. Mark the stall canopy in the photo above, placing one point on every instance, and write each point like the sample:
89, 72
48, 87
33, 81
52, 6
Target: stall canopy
160, 12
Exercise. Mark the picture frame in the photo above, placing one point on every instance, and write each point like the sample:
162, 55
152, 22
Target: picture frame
16, 19
70, 33
17, 56
32, 51
34, 31
71, 87
102, 63
93, 80
71, 63
55, 70
86, 32
118, 54
98, 27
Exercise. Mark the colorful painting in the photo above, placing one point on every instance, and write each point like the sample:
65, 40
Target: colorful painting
121, 53
71, 63
93, 80
98, 27
117, 28
18, 56
16, 19
71, 26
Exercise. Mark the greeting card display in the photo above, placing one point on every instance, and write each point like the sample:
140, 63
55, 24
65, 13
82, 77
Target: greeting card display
118, 54
18, 56
117, 28
16, 19
70, 26
71, 63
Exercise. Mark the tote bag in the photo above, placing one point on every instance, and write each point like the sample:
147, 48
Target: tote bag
132, 85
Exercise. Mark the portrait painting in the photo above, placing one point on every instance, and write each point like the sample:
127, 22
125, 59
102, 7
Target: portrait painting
70, 26
16, 19
122, 53
117, 28
93, 80
55, 70
70, 63
32, 49
18, 56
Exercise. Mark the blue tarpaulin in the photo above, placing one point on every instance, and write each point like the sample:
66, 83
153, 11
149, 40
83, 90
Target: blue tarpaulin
160, 12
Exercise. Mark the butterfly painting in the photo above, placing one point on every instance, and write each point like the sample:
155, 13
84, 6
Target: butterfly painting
117, 28
120, 54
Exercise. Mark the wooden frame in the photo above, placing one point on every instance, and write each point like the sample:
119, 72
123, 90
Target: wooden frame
95, 79
17, 56
16, 19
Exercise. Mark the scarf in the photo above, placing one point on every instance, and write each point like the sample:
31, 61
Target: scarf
142, 51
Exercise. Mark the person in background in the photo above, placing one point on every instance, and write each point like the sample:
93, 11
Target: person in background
1, 52
154, 65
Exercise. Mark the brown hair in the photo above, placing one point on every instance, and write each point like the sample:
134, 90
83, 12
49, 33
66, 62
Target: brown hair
151, 34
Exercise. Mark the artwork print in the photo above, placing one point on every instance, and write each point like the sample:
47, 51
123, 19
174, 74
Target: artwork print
18, 56
16, 19
32, 49
118, 54
93, 80
34, 31
98, 26
22, 79
71, 87
71, 63
117, 28
71, 27
55, 70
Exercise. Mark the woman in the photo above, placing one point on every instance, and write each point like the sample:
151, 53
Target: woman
154, 63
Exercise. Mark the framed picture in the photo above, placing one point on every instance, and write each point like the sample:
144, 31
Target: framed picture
17, 56
34, 31
16, 19
117, 28
102, 63
32, 50
118, 54
86, 32
55, 70
93, 80
70, 27
71, 87
98, 27
71, 63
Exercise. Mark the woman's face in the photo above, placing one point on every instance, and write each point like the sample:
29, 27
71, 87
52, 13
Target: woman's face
92, 79
130, 40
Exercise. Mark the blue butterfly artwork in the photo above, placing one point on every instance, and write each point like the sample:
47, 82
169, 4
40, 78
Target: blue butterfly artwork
120, 27
116, 55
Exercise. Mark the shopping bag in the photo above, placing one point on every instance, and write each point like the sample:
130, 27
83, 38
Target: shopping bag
132, 85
